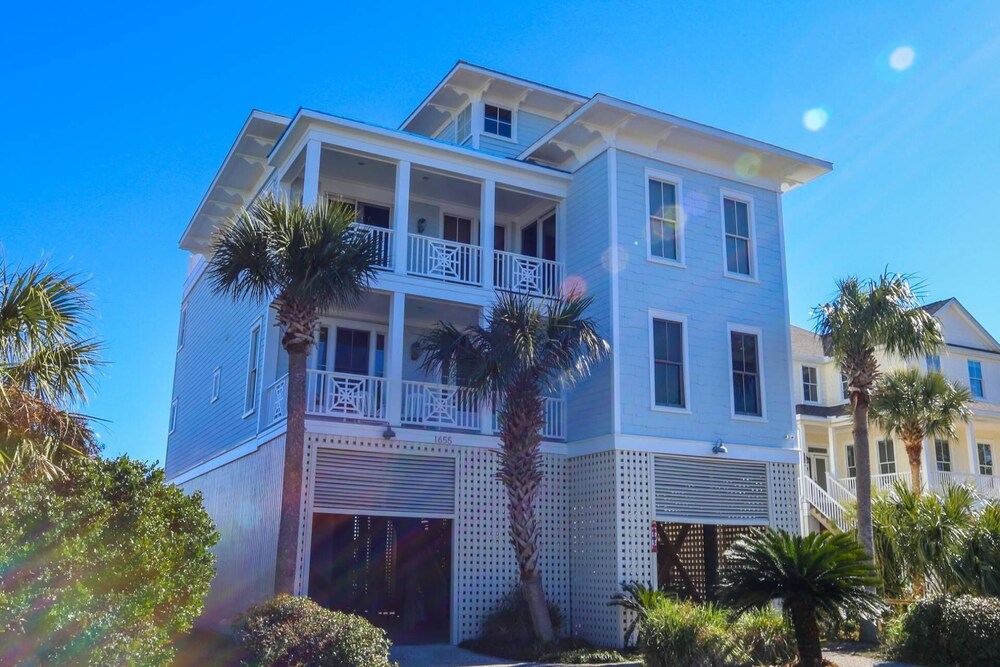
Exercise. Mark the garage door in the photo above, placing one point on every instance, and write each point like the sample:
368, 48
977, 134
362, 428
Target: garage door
712, 491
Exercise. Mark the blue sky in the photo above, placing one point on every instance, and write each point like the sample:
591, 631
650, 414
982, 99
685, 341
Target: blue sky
117, 117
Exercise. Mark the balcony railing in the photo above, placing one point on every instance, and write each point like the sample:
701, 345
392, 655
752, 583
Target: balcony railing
883, 483
275, 402
986, 485
555, 419
439, 405
529, 275
345, 395
445, 260
383, 242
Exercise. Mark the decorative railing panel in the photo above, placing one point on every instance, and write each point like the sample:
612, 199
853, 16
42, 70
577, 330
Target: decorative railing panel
445, 260
275, 403
345, 395
439, 405
528, 275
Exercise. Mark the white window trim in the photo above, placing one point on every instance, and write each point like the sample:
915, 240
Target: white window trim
655, 314
732, 328
258, 326
513, 120
993, 451
182, 327
982, 378
459, 141
743, 197
216, 384
947, 449
891, 449
172, 425
802, 385
677, 182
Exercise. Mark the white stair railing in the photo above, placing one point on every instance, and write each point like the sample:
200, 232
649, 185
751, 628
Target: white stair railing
825, 503
840, 493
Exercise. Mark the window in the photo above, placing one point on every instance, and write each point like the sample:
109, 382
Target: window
498, 121
373, 215
810, 385
737, 218
886, 457
852, 463
845, 387
933, 363
746, 374
216, 384
172, 426
985, 458
663, 220
463, 125
182, 325
250, 403
942, 455
668, 364
457, 229
976, 378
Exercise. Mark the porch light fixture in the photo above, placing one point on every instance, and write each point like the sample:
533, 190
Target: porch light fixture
388, 433
719, 448
421, 225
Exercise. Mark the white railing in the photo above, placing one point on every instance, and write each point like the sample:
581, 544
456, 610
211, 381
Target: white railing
439, 405
345, 395
825, 503
986, 485
884, 483
840, 493
275, 402
445, 260
528, 275
555, 419
383, 242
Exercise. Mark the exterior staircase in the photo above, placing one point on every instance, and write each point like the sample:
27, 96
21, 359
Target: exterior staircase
829, 506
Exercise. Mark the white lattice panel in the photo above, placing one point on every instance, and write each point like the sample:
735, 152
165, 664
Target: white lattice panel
783, 484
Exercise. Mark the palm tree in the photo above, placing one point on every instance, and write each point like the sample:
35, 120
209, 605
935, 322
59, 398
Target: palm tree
866, 316
305, 260
820, 575
524, 349
915, 406
47, 360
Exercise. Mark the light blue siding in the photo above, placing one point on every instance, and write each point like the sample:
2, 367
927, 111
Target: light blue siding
586, 243
709, 300
529, 128
497, 146
447, 133
217, 336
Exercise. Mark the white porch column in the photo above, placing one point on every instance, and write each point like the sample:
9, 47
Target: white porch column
928, 471
973, 449
310, 178
831, 445
401, 221
487, 217
397, 311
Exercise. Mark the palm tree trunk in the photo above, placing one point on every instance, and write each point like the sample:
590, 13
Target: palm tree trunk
914, 452
806, 635
521, 421
863, 485
291, 481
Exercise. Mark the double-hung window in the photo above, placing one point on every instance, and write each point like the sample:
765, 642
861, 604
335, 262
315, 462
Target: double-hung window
250, 404
985, 451
852, 462
976, 378
463, 125
498, 121
664, 226
810, 384
738, 242
746, 374
942, 455
933, 363
845, 387
668, 364
886, 457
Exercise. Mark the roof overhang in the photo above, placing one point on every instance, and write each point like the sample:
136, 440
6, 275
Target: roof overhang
467, 82
236, 182
606, 121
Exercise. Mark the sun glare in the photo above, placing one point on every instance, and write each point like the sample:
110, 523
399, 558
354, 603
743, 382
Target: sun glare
902, 58
815, 119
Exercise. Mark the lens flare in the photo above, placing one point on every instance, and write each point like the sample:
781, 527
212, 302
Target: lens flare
902, 58
622, 257
574, 287
815, 119
747, 165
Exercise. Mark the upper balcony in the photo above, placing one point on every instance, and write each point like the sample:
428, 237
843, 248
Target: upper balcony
437, 225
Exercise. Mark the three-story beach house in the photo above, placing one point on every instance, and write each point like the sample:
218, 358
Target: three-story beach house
676, 444
970, 357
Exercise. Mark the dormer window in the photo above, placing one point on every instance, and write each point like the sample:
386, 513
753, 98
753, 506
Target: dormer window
498, 121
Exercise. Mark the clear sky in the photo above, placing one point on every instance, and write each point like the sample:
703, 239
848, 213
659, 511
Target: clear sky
117, 117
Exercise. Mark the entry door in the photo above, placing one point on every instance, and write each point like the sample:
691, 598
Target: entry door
818, 466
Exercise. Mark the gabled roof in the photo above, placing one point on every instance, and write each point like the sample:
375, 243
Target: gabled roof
991, 343
807, 343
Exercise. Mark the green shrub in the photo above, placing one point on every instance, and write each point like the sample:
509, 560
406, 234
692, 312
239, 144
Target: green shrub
582, 656
683, 633
289, 631
508, 632
764, 637
104, 566
954, 631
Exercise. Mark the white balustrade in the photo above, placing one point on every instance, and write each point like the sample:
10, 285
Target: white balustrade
345, 395
383, 239
824, 503
884, 483
445, 260
555, 419
275, 403
439, 405
528, 275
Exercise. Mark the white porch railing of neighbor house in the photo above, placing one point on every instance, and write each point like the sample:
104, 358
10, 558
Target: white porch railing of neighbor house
824, 503
383, 242
555, 419
987, 486
445, 260
439, 405
528, 275
345, 395
884, 483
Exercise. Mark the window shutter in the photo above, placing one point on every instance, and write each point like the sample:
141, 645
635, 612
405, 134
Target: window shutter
712, 491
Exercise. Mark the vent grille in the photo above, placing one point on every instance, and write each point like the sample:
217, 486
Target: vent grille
384, 484
713, 491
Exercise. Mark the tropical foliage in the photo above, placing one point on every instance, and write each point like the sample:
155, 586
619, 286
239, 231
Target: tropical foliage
675, 632
948, 631
306, 259
526, 348
105, 565
638, 599
47, 360
915, 406
819, 575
